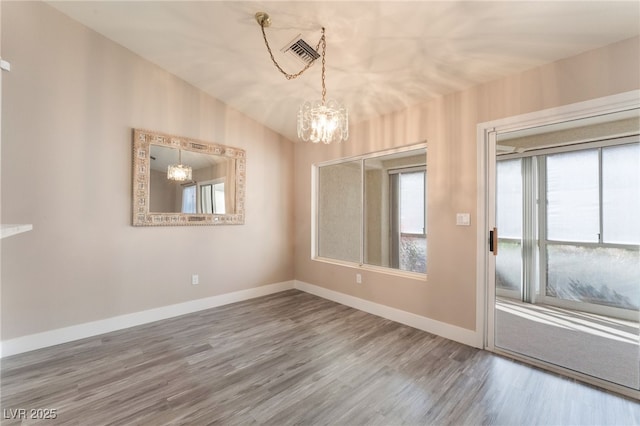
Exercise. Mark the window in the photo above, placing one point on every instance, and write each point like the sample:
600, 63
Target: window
509, 221
408, 219
189, 199
582, 243
371, 210
591, 244
212, 197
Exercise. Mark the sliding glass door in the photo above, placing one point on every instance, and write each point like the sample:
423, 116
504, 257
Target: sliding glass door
567, 269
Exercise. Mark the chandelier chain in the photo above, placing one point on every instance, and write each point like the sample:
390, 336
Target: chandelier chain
318, 120
306, 67
324, 51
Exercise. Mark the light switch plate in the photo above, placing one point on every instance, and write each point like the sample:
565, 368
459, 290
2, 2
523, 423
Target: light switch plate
463, 219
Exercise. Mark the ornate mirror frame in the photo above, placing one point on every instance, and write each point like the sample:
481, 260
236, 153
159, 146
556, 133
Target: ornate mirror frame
142, 141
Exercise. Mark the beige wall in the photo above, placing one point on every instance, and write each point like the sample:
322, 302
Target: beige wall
449, 125
163, 193
69, 105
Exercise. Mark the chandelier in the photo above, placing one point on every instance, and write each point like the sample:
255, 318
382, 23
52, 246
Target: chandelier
319, 120
179, 172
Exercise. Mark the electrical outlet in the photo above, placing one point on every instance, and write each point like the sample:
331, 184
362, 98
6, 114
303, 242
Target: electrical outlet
195, 279
358, 278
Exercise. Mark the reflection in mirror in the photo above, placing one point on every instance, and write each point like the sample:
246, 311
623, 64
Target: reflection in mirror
214, 193
372, 210
203, 193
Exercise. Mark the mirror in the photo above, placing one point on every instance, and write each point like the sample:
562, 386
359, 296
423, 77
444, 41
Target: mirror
211, 193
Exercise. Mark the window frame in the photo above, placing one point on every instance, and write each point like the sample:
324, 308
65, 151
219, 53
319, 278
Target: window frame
315, 231
184, 188
213, 183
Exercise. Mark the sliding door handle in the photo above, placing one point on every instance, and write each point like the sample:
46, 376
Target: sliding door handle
493, 241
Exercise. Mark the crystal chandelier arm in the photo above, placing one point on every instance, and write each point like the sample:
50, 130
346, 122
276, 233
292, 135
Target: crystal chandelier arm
264, 21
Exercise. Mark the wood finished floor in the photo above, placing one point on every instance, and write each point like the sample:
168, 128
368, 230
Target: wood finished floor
293, 358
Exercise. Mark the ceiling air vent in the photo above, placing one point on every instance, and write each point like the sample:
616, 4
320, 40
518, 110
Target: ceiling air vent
301, 50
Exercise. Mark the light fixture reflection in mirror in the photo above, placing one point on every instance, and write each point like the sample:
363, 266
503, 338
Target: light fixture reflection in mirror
179, 171
212, 195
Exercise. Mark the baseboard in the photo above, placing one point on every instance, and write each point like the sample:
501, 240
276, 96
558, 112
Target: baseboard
448, 331
67, 334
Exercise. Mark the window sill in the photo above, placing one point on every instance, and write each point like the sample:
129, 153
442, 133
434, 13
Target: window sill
381, 269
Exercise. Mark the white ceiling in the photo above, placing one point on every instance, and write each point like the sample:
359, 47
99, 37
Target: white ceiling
382, 56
